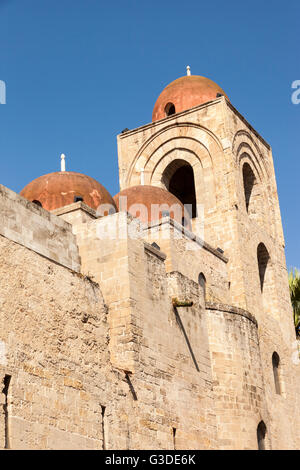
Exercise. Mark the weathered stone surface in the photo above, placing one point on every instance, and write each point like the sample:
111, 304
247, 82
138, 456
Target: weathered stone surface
98, 355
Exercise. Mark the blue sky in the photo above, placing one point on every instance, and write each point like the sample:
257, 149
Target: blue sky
79, 71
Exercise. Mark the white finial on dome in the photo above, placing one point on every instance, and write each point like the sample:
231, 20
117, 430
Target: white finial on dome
63, 162
188, 70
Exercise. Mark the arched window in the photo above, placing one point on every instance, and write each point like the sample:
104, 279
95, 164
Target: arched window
275, 364
178, 178
255, 196
261, 436
169, 109
263, 261
249, 182
38, 203
202, 283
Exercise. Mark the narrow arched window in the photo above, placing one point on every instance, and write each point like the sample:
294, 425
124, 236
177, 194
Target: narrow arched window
263, 262
249, 183
169, 109
202, 283
276, 372
261, 436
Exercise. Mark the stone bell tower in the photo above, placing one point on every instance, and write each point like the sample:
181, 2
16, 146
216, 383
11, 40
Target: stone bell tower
201, 149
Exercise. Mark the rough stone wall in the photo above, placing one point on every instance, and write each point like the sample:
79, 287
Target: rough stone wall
191, 256
54, 339
117, 366
173, 373
74, 351
169, 371
37, 229
271, 307
239, 393
217, 141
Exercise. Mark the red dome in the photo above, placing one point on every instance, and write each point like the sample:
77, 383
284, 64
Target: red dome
150, 197
62, 188
185, 93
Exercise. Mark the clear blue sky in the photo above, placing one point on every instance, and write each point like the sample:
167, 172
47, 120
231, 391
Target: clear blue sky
80, 71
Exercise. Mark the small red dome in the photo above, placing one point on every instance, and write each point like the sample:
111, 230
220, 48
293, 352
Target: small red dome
63, 188
185, 93
149, 198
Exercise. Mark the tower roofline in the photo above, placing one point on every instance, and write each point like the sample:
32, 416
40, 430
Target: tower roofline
192, 110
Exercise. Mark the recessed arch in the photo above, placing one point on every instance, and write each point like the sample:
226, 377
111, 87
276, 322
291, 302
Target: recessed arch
244, 142
254, 192
178, 178
154, 148
246, 149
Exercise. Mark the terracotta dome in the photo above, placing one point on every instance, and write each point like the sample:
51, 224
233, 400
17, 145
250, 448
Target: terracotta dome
185, 93
149, 196
65, 187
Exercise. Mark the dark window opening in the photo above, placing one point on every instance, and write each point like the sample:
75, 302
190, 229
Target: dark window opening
38, 203
5, 390
202, 283
249, 183
261, 435
174, 438
169, 109
103, 427
275, 364
263, 261
178, 178
78, 199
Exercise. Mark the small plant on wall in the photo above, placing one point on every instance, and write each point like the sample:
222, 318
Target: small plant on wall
294, 283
